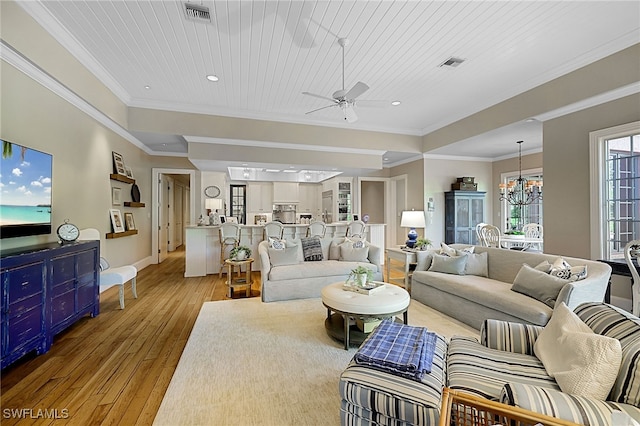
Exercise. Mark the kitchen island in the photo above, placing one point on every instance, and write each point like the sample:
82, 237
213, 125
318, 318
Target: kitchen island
203, 243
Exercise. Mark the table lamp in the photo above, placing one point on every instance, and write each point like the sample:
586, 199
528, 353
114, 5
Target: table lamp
412, 219
212, 205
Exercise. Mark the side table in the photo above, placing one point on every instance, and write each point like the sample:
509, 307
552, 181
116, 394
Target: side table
407, 257
239, 282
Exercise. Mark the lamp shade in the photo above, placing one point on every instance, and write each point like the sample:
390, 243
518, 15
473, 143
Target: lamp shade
412, 219
213, 203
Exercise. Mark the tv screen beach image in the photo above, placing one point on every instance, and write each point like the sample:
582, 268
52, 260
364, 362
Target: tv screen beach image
25, 185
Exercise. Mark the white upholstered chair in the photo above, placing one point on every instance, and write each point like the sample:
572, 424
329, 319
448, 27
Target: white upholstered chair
632, 251
355, 229
318, 228
110, 277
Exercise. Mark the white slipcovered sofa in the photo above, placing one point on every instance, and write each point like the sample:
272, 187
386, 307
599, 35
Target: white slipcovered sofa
473, 296
285, 274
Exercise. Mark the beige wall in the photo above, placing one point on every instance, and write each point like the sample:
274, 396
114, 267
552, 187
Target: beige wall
566, 173
372, 200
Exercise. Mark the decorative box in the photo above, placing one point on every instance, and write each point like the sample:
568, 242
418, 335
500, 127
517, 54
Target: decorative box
372, 287
464, 186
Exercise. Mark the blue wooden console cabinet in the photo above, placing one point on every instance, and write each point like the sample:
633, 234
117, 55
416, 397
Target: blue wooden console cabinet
45, 289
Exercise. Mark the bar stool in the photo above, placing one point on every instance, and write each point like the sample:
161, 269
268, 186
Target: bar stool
355, 229
273, 229
229, 238
318, 228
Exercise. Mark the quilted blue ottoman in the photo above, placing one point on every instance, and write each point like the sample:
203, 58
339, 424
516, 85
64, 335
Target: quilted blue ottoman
370, 396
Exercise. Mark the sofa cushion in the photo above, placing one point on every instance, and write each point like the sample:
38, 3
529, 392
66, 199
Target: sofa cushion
538, 284
493, 294
558, 404
316, 269
311, 249
448, 265
623, 326
582, 362
483, 371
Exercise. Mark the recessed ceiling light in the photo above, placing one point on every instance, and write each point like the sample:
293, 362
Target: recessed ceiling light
396, 103
147, 87
385, 159
212, 77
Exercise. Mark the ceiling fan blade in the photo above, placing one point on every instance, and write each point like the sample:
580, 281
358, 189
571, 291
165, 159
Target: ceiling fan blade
320, 96
356, 90
350, 114
369, 103
318, 109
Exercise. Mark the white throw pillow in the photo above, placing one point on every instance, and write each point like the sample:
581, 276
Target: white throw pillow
477, 264
423, 259
448, 265
582, 363
349, 253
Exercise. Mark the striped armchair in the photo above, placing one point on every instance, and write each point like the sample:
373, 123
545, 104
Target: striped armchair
502, 366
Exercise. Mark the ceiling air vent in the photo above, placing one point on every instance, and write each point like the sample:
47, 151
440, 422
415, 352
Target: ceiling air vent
452, 62
197, 13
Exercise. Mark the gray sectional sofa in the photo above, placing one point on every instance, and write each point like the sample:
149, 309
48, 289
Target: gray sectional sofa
501, 366
474, 298
295, 278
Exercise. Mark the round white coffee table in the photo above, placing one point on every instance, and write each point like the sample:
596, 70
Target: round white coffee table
343, 305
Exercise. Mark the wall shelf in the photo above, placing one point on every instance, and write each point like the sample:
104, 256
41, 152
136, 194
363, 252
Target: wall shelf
112, 235
133, 204
121, 178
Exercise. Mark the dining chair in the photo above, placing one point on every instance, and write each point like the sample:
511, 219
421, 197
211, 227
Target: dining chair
318, 228
490, 236
632, 251
533, 230
478, 236
112, 276
355, 229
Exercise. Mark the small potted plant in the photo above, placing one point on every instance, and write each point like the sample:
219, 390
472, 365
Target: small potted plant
240, 253
360, 276
423, 243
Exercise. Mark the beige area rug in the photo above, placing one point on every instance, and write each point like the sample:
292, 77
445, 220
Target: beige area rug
253, 363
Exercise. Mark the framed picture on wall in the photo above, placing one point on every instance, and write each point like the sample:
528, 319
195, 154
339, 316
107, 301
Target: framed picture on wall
118, 164
116, 196
129, 223
128, 171
116, 220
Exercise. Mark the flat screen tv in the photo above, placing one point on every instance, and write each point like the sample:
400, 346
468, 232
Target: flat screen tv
25, 191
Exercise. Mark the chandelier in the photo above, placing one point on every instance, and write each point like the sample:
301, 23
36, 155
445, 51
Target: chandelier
521, 192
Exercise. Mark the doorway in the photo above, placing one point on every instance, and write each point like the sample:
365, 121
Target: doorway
168, 224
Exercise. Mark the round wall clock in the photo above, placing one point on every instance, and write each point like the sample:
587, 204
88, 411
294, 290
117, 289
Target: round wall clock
212, 191
68, 232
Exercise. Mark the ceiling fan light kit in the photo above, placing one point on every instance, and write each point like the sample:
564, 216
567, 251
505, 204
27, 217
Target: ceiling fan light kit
344, 99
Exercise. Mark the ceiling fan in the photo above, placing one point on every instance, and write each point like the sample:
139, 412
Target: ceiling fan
344, 99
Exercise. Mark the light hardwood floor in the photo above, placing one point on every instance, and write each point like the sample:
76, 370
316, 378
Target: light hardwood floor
115, 368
